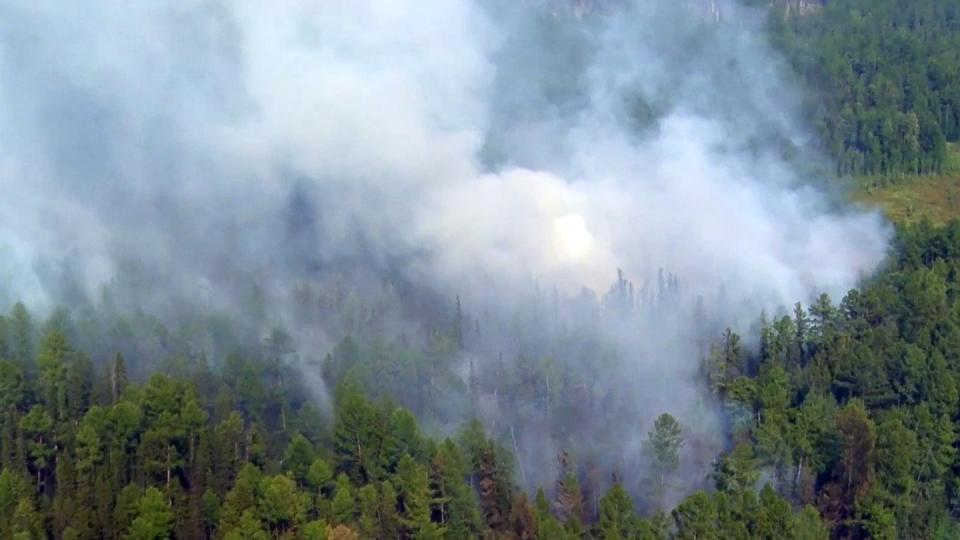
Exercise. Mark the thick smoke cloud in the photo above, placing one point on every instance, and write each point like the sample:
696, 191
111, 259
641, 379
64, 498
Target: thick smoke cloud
465, 147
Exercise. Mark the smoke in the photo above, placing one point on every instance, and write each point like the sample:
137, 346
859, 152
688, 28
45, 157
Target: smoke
495, 150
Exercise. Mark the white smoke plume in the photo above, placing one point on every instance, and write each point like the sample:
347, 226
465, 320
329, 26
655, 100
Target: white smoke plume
472, 147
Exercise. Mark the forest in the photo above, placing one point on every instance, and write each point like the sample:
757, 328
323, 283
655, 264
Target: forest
320, 333
844, 419
883, 78
242, 453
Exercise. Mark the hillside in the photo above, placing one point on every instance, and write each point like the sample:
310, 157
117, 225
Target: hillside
883, 78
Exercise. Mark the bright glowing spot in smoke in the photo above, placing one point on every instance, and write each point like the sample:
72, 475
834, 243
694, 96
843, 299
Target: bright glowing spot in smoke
571, 238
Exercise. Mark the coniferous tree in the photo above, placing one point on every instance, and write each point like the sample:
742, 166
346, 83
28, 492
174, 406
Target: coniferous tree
342, 509
617, 520
662, 448
298, 458
569, 503
118, 378
389, 518
154, 518
20, 329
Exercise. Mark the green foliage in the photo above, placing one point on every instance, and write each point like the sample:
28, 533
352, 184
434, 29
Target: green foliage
281, 505
154, 518
864, 428
389, 519
845, 412
737, 471
21, 335
358, 435
37, 426
319, 474
88, 451
662, 448
368, 502
343, 503
26, 522
883, 75
413, 490
248, 527
617, 520
298, 457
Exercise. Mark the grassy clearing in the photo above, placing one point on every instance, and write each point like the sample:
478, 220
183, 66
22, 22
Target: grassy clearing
907, 199
934, 197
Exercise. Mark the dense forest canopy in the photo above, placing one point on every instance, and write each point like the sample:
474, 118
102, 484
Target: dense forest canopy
287, 275
884, 77
845, 415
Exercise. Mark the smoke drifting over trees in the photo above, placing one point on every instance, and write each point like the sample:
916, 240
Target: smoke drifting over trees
267, 161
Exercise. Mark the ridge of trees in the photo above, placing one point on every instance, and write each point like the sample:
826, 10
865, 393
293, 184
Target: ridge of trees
883, 78
87, 453
843, 421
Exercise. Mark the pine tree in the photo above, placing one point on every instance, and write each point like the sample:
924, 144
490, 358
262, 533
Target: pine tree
66, 511
154, 518
493, 485
451, 495
21, 330
125, 510
281, 507
12, 385
118, 378
78, 387
389, 520
242, 497
52, 361
617, 521
12, 489
26, 523
37, 426
523, 521
369, 506
229, 449
247, 527
298, 458
569, 503
800, 322
210, 510
696, 518
737, 471
342, 509
319, 475
662, 448
358, 436
413, 489
403, 438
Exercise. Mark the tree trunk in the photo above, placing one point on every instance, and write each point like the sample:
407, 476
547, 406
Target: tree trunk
516, 450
